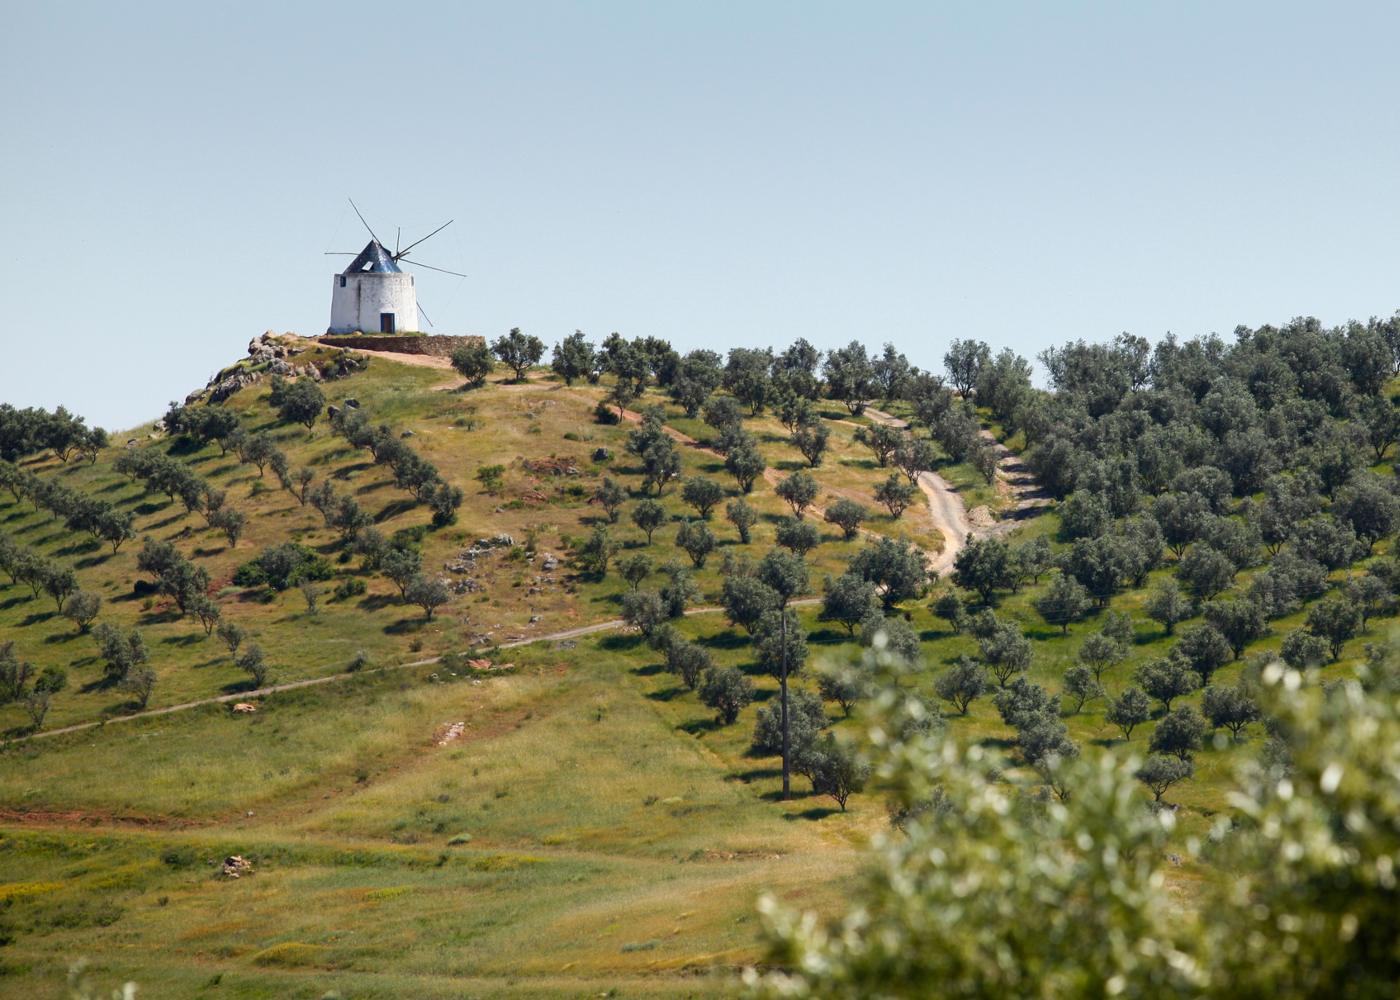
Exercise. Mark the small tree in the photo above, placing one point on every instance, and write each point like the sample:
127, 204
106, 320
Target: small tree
689, 661
1006, 651
702, 493
848, 516
962, 683
1065, 601
836, 769
428, 592
950, 606
518, 351
896, 495
634, 569
1160, 772
231, 522
207, 611
1204, 648
1335, 619
252, 662
848, 599
473, 363
1080, 686
1128, 711
1099, 652
742, 515
745, 463
1178, 733
1232, 706
1167, 605
811, 440
799, 490
82, 609
311, 592
401, 565
746, 599
697, 540
727, 691
1168, 679
139, 682
231, 634
844, 685
648, 515
595, 553
644, 611
1303, 649
798, 536
610, 496
300, 402
36, 701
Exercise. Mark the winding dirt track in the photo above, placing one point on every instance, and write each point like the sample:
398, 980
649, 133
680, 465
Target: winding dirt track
948, 510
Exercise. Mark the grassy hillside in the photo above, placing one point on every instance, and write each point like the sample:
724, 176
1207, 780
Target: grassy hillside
586, 828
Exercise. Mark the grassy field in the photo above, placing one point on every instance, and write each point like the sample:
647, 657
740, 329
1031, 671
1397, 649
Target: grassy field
572, 824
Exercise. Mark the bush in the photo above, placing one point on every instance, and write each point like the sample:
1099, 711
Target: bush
347, 589
283, 566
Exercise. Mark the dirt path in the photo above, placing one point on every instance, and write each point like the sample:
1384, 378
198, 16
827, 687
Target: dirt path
947, 508
578, 632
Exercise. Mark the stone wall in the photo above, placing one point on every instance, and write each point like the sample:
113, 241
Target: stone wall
439, 347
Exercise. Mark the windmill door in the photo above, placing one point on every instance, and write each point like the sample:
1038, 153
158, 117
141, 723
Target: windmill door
386, 322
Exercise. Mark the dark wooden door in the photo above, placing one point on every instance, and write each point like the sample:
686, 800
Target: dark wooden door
386, 322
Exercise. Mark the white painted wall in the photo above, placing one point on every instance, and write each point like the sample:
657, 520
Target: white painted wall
358, 304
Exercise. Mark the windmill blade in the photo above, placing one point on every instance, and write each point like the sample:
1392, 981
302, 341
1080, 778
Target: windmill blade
430, 267
425, 313
362, 220
398, 234
400, 253
339, 253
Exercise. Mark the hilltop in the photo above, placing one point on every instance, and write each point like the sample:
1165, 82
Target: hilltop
481, 749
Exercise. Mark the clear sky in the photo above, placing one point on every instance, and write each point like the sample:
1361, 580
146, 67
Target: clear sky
716, 173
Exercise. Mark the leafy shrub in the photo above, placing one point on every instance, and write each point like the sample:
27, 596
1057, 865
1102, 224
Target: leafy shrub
283, 566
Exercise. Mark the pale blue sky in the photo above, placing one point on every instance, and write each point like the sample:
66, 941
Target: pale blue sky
715, 173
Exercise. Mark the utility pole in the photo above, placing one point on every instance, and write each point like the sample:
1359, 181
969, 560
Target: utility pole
787, 769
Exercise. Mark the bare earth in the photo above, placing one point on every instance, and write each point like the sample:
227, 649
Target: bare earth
948, 511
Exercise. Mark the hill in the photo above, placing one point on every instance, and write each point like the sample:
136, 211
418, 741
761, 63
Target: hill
506, 789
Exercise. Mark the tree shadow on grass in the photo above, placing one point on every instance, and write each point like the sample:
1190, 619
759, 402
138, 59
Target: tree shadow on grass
829, 637
92, 561
698, 727
151, 507
11, 602
996, 743
816, 812
184, 640
377, 602
727, 639
64, 637
650, 670
405, 626
112, 487
621, 643
167, 522
669, 694
394, 509
36, 617
79, 548
756, 774
103, 683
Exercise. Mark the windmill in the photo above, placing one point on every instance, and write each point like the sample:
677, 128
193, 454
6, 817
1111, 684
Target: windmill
374, 294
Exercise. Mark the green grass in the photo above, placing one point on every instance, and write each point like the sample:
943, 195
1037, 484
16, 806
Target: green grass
592, 830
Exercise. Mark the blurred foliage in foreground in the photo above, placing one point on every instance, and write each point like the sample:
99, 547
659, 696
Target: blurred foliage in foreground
984, 890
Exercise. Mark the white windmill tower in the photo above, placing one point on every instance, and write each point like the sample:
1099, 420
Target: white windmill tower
373, 294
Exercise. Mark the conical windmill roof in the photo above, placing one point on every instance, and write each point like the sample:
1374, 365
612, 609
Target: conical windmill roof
374, 259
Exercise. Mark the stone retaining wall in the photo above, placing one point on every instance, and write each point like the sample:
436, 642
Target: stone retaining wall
438, 347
